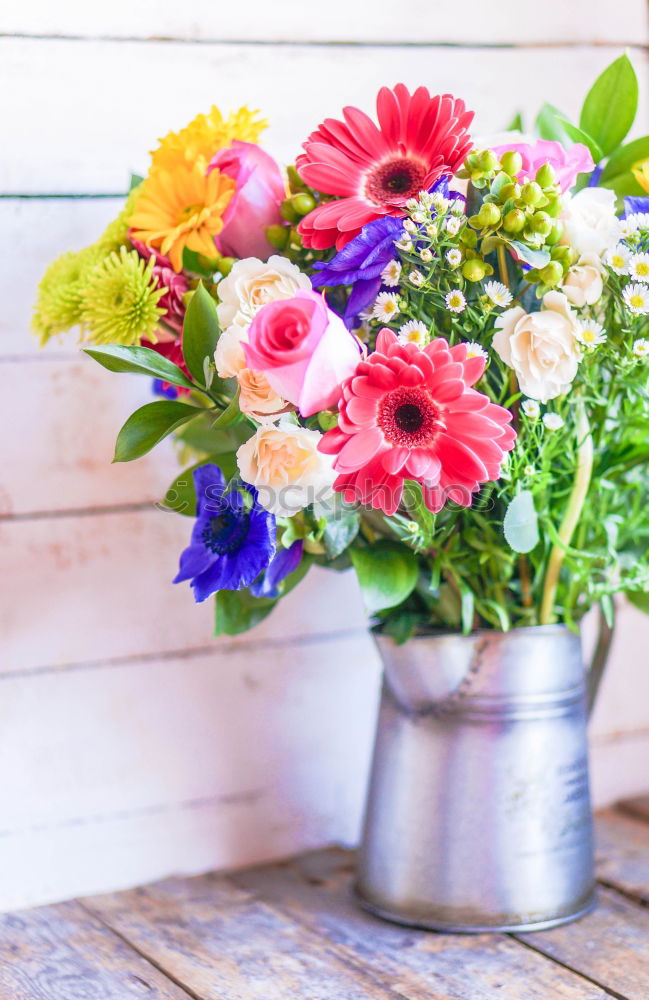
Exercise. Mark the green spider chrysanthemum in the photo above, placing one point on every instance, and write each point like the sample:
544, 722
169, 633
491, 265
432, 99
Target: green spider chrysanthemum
115, 235
121, 300
61, 292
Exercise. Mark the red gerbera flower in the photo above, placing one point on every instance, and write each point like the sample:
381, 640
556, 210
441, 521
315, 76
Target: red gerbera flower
375, 170
409, 413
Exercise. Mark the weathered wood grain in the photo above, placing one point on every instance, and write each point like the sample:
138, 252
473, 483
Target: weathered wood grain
316, 890
609, 946
637, 807
223, 944
86, 100
63, 953
292, 20
623, 854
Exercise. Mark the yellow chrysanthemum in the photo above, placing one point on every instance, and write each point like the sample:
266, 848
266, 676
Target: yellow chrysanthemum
115, 235
60, 295
204, 136
120, 301
641, 174
181, 208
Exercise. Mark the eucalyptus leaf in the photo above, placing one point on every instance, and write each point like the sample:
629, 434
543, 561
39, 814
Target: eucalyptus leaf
387, 574
611, 104
521, 524
340, 532
138, 361
149, 425
529, 255
201, 332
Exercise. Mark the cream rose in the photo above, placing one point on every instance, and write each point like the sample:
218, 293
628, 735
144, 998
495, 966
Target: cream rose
256, 398
589, 221
283, 463
583, 285
541, 347
252, 283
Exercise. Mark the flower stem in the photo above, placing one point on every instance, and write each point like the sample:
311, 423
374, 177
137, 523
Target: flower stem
571, 516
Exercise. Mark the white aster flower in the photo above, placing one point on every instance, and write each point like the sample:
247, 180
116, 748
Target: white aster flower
628, 226
499, 294
639, 266
453, 225
425, 198
640, 220
386, 307
618, 258
416, 278
412, 204
641, 348
418, 217
404, 243
409, 226
531, 409
426, 255
455, 301
432, 230
454, 257
413, 332
636, 299
439, 202
552, 421
391, 274
589, 333
529, 470
475, 350
458, 206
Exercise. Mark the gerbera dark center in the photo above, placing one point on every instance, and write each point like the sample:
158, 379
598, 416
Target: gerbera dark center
394, 181
409, 418
226, 532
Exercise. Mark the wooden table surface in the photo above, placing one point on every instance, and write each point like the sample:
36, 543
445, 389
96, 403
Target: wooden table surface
291, 931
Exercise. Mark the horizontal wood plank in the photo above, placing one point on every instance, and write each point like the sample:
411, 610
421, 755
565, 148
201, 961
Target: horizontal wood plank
63, 953
609, 946
315, 890
637, 807
291, 20
109, 129
222, 944
623, 854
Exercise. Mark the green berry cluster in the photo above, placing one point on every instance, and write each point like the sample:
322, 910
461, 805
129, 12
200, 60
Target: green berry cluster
299, 203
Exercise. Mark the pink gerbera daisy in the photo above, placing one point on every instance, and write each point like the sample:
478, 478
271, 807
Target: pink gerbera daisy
374, 170
410, 413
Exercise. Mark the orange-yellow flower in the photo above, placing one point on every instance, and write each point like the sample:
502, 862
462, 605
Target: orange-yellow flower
181, 208
641, 174
204, 136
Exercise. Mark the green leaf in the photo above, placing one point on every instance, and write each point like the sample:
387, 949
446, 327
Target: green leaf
639, 599
135, 181
578, 135
468, 607
196, 263
533, 257
236, 611
200, 435
340, 532
229, 414
611, 104
521, 524
549, 124
624, 185
181, 495
140, 361
387, 574
516, 124
201, 332
624, 158
149, 425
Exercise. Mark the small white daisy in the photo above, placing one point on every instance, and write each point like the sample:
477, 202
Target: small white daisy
412, 204
454, 257
529, 470
639, 266
458, 206
426, 255
416, 278
432, 229
453, 225
552, 421
425, 198
641, 348
629, 226
404, 243
589, 333
439, 202
618, 258
475, 350
386, 307
499, 294
455, 301
391, 274
638, 221
636, 299
531, 409
413, 332
418, 217
409, 226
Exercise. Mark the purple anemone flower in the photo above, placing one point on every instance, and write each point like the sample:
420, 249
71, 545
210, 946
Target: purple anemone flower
284, 562
633, 206
233, 538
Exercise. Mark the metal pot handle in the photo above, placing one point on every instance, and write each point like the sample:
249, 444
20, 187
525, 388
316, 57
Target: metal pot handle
599, 660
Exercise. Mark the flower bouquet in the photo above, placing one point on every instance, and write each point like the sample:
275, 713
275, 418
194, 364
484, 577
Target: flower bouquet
412, 353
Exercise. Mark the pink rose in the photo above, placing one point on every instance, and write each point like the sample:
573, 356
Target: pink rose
304, 350
567, 163
255, 205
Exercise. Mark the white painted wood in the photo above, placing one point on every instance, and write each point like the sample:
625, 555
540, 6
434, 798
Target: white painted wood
341, 20
218, 760
97, 124
620, 765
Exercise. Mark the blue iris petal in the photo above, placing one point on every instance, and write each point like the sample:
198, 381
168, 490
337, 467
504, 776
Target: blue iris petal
233, 538
635, 205
285, 562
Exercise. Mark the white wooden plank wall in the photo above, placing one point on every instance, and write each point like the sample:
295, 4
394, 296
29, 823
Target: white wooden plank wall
131, 744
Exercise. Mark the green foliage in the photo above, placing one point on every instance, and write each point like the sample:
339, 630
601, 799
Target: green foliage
521, 523
140, 361
610, 106
201, 332
387, 574
237, 611
149, 425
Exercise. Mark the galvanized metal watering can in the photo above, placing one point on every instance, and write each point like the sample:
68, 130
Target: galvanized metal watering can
478, 814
